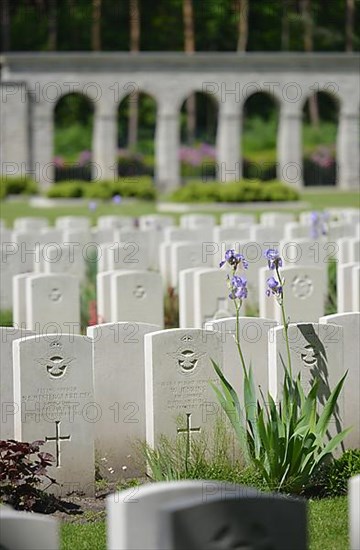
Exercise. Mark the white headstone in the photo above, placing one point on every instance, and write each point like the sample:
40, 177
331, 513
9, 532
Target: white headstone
72, 222
155, 221
186, 297
178, 371
26, 531
137, 296
296, 230
350, 322
53, 386
173, 234
197, 221
344, 287
28, 243
267, 304
211, 297
8, 405
115, 222
272, 219
119, 379
316, 351
101, 235
253, 337
233, 219
265, 236
19, 299
52, 303
304, 294
10, 265
63, 259
185, 255
354, 512
125, 255
142, 505
103, 296
231, 234
355, 284
30, 224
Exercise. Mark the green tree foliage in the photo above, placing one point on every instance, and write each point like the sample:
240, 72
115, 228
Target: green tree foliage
216, 25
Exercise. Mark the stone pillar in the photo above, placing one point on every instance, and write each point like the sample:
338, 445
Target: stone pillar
228, 143
104, 165
289, 147
167, 165
348, 149
42, 136
14, 129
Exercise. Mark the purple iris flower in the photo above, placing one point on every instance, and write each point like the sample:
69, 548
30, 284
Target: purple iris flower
238, 287
116, 199
234, 259
273, 257
92, 206
273, 287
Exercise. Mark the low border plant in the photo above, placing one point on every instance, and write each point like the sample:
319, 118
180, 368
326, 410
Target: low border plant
287, 441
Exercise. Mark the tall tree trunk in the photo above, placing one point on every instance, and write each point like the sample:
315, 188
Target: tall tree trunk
52, 26
134, 97
243, 33
5, 25
285, 27
309, 48
189, 47
96, 26
350, 16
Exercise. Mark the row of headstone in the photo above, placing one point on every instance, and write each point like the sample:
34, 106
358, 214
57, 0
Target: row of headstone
129, 381
137, 295
187, 514
156, 244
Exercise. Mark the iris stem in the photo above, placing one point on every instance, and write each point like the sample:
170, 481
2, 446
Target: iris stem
237, 335
285, 322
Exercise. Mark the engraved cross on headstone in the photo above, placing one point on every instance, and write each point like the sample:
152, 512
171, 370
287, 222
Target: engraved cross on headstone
58, 438
188, 430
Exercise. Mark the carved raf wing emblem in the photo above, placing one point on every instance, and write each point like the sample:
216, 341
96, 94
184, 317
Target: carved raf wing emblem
187, 359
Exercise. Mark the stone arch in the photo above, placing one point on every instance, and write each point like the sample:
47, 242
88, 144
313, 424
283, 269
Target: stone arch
136, 128
198, 134
73, 116
260, 121
320, 154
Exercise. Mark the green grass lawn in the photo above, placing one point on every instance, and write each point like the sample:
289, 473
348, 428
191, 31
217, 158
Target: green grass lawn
316, 200
328, 529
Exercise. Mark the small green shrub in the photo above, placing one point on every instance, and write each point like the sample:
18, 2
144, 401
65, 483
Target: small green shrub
332, 480
243, 191
17, 185
66, 190
197, 192
137, 187
97, 190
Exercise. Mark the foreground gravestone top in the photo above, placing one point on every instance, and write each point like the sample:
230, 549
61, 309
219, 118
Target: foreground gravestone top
240, 522
160, 508
27, 531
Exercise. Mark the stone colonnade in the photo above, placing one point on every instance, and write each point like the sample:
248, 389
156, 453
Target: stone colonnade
32, 84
